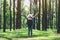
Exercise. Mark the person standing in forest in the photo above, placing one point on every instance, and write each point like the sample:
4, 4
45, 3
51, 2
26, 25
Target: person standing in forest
30, 18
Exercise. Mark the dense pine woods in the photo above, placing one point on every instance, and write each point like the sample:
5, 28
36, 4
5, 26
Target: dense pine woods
11, 16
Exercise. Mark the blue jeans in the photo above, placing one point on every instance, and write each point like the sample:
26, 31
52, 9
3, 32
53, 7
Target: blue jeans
29, 31
29, 22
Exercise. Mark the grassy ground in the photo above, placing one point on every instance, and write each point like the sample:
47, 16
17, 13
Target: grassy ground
21, 34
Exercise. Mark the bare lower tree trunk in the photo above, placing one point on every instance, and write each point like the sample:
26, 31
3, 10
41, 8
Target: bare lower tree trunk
13, 14
0, 20
38, 26
0, 15
4, 12
52, 12
56, 14
10, 17
18, 15
58, 26
44, 15
49, 14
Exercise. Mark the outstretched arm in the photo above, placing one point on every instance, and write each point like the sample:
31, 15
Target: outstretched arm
36, 13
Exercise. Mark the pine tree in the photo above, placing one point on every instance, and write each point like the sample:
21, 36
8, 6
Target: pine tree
13, 14
4, 13
58, 26
44, 15
18, 15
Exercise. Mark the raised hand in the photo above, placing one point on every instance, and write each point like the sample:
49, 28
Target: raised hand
36, 13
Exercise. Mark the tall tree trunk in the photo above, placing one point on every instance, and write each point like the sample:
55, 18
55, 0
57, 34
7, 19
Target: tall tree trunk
13, 14
18, 15
44, 15
4, 12
52, 11
58, 26
0, 15
56, 13
0, 20
38, 26
10, 17
49, 14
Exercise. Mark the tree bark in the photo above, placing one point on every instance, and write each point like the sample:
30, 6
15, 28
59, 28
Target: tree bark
56, 14
44, 15
18, 15
38, 26
4, 12
52, 12
49, 14
58, 26
13, 14
10, 17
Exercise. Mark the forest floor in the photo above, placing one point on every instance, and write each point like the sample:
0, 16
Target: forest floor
35, 38
21, 34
